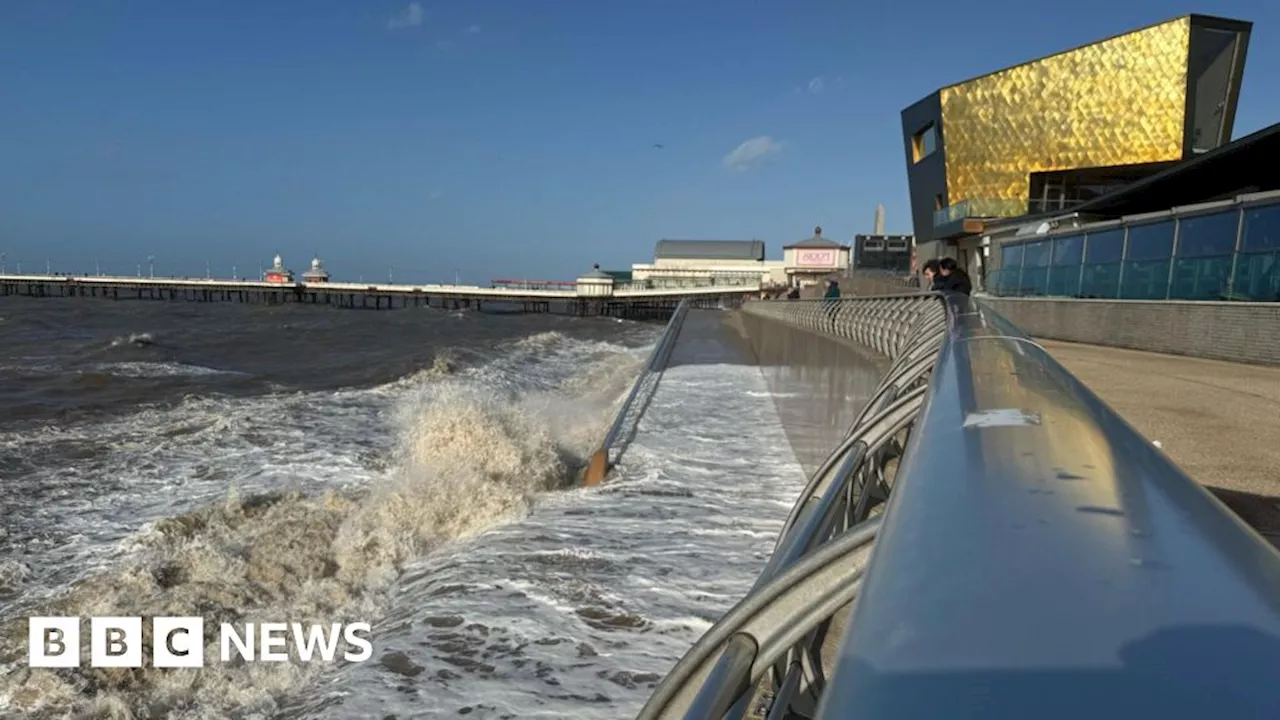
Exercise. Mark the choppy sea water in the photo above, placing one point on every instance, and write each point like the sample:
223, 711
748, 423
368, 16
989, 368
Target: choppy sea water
406, 468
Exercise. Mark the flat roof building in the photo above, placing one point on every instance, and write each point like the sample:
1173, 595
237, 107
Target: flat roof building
698, 263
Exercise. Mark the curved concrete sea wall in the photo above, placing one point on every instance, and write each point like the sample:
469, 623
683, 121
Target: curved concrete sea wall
821, 381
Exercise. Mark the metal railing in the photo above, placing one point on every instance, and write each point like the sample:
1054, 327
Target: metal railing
1033, 555
623, 428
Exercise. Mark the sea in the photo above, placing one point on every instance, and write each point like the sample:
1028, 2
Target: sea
414, 469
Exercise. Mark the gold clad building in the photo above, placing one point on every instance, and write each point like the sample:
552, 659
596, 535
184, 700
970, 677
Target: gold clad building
1052, 133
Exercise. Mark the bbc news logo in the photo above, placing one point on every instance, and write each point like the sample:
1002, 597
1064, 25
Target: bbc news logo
179, 642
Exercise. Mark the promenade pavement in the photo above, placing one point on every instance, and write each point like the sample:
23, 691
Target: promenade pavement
1219, 421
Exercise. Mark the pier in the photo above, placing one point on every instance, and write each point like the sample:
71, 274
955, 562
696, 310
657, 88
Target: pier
619, 302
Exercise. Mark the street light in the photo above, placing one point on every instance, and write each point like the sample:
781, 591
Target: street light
151, 266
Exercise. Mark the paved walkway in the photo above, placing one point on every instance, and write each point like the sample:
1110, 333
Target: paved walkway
1219, 421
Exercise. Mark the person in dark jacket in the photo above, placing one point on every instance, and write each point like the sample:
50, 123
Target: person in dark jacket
932, 278
833, 290
953, 278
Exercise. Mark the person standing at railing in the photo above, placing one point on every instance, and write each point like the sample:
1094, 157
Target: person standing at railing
953, 278
932, 278
829, 299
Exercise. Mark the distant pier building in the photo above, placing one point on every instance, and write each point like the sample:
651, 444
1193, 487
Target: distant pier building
278, 273
317, 273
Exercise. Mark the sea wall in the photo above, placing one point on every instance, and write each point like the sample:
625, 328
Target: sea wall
819, 382
1233, 331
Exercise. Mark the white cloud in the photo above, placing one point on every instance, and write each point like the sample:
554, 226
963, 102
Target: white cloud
816, 85
473, 29
411, 16
751, 151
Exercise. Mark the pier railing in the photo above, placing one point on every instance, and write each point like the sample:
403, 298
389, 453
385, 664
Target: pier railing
990, 540
624, 423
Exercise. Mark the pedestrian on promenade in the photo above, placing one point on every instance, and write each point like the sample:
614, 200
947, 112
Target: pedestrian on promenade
953, 278
932, 278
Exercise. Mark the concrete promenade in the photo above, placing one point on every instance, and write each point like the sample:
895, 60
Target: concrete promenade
1217, 420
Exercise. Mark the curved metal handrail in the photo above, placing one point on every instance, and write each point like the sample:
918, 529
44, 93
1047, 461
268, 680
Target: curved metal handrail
1037, 556
768, 623
624, 422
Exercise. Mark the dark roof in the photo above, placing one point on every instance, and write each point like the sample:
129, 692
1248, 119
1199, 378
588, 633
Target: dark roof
816, 241
1244, 166
710, 249
596, 274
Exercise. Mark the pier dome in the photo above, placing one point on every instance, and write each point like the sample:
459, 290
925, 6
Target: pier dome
317, 272
278, 273
596, 283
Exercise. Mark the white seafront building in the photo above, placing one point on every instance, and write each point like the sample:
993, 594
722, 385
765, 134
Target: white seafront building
740, 263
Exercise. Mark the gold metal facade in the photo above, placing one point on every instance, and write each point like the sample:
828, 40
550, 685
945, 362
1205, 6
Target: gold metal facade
1117, 102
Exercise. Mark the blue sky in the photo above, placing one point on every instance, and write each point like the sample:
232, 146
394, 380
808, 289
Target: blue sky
511, 138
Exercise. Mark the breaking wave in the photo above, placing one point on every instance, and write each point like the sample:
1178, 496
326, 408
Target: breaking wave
469, 456
134, 339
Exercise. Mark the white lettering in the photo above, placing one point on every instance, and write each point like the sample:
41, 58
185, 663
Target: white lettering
177, 642
53, 642
328, 643
243, 645
352, 639
115, 642
269, 641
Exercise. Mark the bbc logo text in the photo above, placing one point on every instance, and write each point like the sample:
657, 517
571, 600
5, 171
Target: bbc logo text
179, 642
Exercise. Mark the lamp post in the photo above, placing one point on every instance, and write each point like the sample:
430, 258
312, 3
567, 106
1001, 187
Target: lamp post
2, 256
151, 266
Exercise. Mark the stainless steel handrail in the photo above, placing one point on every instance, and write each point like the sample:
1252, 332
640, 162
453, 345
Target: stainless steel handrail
1037, 556
624, 422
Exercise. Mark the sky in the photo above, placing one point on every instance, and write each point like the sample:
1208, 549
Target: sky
423, 141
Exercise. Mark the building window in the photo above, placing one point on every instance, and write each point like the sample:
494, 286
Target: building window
898, 245
924, 142
1202, 262
1101, 275
1258, 271
1064, 270
873, 246
1035, 268
1146, 262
